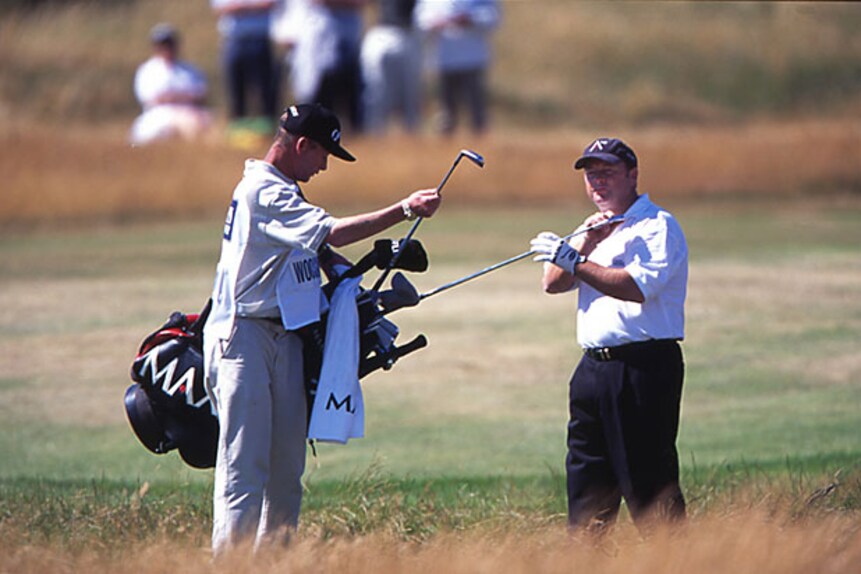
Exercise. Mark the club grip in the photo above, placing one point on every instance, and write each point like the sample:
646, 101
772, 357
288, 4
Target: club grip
386, 361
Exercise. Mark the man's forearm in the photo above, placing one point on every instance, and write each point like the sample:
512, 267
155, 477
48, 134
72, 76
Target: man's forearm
348, 230
616, 283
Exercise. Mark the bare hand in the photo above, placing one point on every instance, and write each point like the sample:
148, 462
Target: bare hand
591, 238
424, 202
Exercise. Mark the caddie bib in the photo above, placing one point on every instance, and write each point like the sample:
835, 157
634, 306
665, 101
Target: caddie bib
299, 291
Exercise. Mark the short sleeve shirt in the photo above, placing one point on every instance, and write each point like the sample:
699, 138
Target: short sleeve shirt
651, 247
157, 77
271, 233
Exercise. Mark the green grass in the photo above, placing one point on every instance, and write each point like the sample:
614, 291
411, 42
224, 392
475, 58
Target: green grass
121, 514
469, 431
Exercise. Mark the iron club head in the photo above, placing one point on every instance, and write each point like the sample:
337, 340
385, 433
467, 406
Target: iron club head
476, 158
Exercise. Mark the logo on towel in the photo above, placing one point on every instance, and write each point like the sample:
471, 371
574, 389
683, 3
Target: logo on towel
347, 403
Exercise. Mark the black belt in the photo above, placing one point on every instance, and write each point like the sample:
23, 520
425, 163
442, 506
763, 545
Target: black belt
273, 320
628, 351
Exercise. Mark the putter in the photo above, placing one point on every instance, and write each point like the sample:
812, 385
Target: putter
472, 156
612, 221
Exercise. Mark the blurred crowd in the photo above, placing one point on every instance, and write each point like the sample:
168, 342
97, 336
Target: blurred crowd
372, 74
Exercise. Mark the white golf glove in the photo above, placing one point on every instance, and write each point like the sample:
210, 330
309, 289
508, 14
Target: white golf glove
549, 247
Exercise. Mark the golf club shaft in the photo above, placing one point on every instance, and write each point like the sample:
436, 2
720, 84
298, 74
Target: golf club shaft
412, 230
516, 258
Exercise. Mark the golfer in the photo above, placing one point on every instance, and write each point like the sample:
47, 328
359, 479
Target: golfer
625, 394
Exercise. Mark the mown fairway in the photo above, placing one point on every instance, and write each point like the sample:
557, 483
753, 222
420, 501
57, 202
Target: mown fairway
773, 334
466, 436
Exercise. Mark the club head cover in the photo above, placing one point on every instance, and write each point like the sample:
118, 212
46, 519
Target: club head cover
402, 294
414, 258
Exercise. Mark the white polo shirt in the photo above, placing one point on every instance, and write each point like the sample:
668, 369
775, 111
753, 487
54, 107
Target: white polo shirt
651, 247
268, 265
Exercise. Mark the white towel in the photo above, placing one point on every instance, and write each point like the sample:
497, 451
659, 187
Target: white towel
339, 411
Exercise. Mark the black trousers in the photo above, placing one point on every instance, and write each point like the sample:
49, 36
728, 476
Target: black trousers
624, 420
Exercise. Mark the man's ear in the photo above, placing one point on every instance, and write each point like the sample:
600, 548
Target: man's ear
301, 144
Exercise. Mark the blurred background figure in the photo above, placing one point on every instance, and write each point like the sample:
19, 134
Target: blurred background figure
248, 62
288, 19
171, 92
391, 68
325, 67
458, 36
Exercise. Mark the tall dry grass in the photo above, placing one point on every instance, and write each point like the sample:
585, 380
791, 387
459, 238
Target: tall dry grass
745, 542
79, 175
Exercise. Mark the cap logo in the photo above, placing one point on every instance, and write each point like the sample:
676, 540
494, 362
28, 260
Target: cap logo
336, 135
293, 111
597, 145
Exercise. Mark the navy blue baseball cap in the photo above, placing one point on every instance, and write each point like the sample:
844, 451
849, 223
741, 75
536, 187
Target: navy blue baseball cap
317, 123
611, 150
163, 33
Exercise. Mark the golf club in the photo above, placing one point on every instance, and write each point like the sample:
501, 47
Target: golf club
472, 156
611, 221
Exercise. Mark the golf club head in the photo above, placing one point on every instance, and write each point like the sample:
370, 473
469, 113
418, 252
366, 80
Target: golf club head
402, 294
473, 156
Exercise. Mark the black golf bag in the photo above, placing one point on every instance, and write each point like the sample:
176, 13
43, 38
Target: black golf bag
168, 406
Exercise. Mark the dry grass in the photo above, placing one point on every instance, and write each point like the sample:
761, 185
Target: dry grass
80, 175
745, 542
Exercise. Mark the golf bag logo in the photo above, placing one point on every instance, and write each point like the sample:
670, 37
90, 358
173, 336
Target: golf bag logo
181, 378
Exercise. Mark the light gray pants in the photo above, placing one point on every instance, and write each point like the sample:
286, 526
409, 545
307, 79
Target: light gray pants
257, 383
391, 70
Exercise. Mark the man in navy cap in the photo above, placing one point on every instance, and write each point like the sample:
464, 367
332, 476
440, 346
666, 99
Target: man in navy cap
171, 91
625, 393
267, 286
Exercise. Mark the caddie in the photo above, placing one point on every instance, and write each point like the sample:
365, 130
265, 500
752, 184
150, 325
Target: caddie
625, 394
267, 286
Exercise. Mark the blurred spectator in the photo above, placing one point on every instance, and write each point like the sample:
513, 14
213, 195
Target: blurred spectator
171, 92
246, 56
285, 29
391, 67
325, 66
458, 32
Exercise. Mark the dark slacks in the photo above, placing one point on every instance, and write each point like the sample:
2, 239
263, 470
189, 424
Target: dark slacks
624, 420
249, 69
463, 87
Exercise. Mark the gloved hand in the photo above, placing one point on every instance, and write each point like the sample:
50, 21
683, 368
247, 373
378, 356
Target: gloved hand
548, 246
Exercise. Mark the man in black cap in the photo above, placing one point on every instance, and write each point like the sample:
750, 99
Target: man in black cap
625, 393
267, 286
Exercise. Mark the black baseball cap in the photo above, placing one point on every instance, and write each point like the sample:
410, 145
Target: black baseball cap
611, 150
317, 123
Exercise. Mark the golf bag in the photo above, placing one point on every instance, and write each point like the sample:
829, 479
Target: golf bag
168, 406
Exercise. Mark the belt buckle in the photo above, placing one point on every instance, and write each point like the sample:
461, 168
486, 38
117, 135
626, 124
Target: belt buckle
604, 354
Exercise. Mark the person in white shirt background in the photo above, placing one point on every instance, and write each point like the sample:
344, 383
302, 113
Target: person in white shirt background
171, 91
458, 39
392, 67
625, 394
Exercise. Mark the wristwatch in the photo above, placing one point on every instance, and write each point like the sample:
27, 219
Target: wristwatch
409, 214
580, 260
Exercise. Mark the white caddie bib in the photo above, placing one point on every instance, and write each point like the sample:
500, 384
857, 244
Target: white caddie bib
299, 291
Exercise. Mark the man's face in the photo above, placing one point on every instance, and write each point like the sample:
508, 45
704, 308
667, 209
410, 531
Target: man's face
313, 158
612, 187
